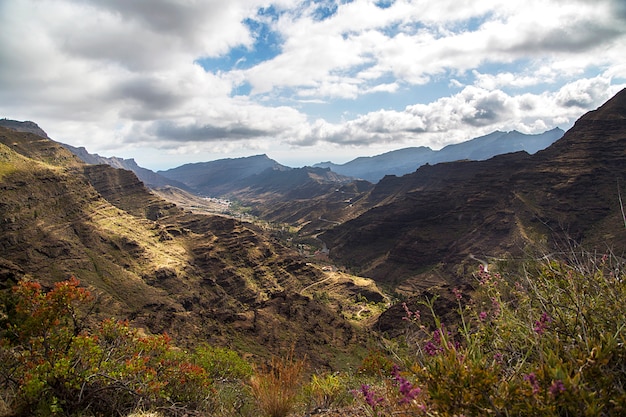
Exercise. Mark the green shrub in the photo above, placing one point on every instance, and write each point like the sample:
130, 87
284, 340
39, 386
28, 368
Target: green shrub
54, 365
328, 390
222, 363
544, 342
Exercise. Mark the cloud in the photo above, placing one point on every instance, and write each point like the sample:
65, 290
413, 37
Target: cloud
204, 133
583, 94
124, 76
365, 42
474, 109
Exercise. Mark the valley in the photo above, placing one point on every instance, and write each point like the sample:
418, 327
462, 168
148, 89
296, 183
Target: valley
306, 259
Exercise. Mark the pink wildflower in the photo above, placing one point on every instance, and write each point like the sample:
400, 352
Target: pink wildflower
406, 388
369, 396
457, 293
542, 323
557, 387
532, 380
410, 315
432, 349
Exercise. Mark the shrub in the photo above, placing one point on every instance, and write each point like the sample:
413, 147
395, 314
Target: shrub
327, 390
222, 363
230, 374
549, 341
55, 365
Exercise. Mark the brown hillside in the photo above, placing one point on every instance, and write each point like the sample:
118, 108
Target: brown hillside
447, 215
197, 277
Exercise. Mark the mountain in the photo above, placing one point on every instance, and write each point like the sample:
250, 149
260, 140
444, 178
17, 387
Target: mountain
148, 177
427, 227
407, 160
299, 196
373, 168
199, 278
218, 178
26, 126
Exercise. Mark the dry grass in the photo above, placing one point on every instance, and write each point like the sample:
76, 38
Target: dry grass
276, 387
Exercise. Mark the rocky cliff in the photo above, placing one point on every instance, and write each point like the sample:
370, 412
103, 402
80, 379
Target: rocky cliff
452, 213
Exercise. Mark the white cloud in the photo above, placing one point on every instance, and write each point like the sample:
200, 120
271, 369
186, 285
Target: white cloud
470, 113
123, 76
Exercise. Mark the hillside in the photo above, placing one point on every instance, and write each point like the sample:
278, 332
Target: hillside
197, 277
148, 177
228, 282
415, 230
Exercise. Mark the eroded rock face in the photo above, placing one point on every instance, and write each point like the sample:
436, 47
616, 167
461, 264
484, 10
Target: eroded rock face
199, 278
123, 189
447, 212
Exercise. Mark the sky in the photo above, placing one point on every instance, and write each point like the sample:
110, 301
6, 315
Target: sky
170, 82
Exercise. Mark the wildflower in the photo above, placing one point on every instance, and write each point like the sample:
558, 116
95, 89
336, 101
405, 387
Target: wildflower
410, 315
531, 378
495, 304
437, 336
483, 275
406, 388
557, 387
369, 396
431, 349
457, 293
542, 323
498, 358
482, 316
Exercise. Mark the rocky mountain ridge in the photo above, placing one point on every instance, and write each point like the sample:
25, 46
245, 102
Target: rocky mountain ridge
407, 160
229, 282
197, 277
448, 214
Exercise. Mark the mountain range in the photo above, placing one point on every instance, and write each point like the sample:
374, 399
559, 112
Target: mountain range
215, 278
227, 176
199, 278
407, 160
414, 228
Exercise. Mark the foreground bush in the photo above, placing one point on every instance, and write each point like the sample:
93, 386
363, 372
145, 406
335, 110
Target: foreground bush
548, 341
51, 363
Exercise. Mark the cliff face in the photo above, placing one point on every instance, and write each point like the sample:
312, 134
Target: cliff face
451, 213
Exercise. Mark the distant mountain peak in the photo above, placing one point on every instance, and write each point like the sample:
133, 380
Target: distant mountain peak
405, 161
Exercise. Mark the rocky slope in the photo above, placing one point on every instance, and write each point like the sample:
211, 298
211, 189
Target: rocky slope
149, 178
419, 229
199, 278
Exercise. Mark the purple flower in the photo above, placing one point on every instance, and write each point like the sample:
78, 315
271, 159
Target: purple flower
482, 316
542, 324
431, 349
557, 387
406, 388
531, 378
369, 396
